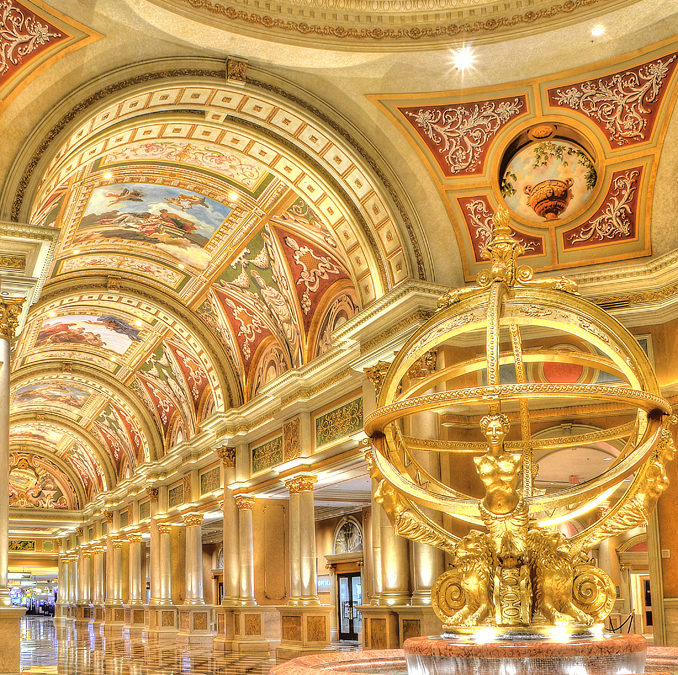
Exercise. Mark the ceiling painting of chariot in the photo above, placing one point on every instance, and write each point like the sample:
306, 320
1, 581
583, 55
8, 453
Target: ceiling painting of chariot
176, 221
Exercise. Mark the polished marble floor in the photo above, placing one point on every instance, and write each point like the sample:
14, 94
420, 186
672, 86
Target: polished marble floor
49, 649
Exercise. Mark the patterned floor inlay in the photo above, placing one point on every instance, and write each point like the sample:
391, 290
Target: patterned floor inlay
47, 649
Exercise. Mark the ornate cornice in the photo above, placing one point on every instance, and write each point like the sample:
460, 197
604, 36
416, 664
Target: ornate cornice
372, 24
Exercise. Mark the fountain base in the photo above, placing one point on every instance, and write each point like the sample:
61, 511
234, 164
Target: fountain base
603, 654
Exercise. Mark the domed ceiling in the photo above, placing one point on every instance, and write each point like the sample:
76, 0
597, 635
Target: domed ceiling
380, 25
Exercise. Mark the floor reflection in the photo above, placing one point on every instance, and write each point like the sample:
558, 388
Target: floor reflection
66, 648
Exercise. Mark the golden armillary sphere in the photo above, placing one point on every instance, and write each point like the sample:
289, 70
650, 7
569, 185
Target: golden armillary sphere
501, 346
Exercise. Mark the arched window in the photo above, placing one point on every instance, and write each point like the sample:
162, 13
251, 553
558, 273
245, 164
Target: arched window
349, 537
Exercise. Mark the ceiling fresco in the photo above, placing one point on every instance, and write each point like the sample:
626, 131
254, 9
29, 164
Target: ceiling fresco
571, 155
37, 483
188, 275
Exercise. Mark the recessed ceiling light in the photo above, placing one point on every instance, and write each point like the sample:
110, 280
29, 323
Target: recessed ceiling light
182, 266
233, 196
108, 175
463, 58
114, 359
598, 30
138, 322
51, 314
77, 250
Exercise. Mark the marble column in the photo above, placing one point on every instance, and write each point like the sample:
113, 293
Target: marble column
294, 544
10, 644
72, 579
154, 549
231, 544
10, 309
194, 583
245, 504
395, 572
164, 565
116, 599
99, 591
136, 583
303, 486
86, 587
376, 516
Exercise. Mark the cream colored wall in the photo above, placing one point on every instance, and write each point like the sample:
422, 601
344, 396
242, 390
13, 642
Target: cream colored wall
271, 551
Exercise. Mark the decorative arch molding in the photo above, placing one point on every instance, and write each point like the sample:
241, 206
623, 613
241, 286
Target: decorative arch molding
86, 287
629, 543
42, 451
102, 382
329, 142
82, 435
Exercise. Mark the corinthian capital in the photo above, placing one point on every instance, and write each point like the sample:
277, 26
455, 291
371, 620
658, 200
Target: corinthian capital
10, 309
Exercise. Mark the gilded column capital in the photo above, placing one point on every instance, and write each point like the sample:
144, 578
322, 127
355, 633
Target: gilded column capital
192, 519
300, 484
87, 553
108, 515
117, 543
243, 502
376, 375
135, 537
424, 365
152, 492
227, 456
80, 531
164, 528
10, 309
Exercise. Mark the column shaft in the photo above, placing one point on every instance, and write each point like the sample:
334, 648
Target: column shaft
194, 584
164, 566
5, 600
98, 596
309, 581
245, 505
295, 550
135, 570
231, 544
117, 573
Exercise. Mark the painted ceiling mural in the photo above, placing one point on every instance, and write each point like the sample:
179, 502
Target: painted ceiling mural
187, 277
572, 156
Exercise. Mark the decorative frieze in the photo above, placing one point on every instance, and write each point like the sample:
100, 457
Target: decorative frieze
291, 439
340, 422
267, 454
210, 480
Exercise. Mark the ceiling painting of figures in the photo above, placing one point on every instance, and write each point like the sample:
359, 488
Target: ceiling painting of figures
177, 221
189, 274
104, 331
228, 164
51, 395
37, 484
36, 431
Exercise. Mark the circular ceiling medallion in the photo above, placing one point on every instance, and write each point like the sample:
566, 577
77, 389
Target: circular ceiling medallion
547, 175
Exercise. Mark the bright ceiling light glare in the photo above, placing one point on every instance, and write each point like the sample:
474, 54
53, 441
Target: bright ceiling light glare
463, 58
108, 175
76, 251
182, 266
233, 196
598, 30
51, 314
138, 322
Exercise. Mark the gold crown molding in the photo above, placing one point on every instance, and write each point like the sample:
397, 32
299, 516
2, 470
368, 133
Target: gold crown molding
425, 25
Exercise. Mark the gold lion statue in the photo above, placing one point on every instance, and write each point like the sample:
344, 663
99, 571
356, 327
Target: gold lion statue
462, 596
552, 579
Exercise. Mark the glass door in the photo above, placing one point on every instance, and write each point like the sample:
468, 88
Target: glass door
349, 589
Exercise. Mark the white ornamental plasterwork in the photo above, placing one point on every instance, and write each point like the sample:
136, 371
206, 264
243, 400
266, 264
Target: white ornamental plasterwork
462, 131
614, 221
481, 222
20, 35
619, 102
